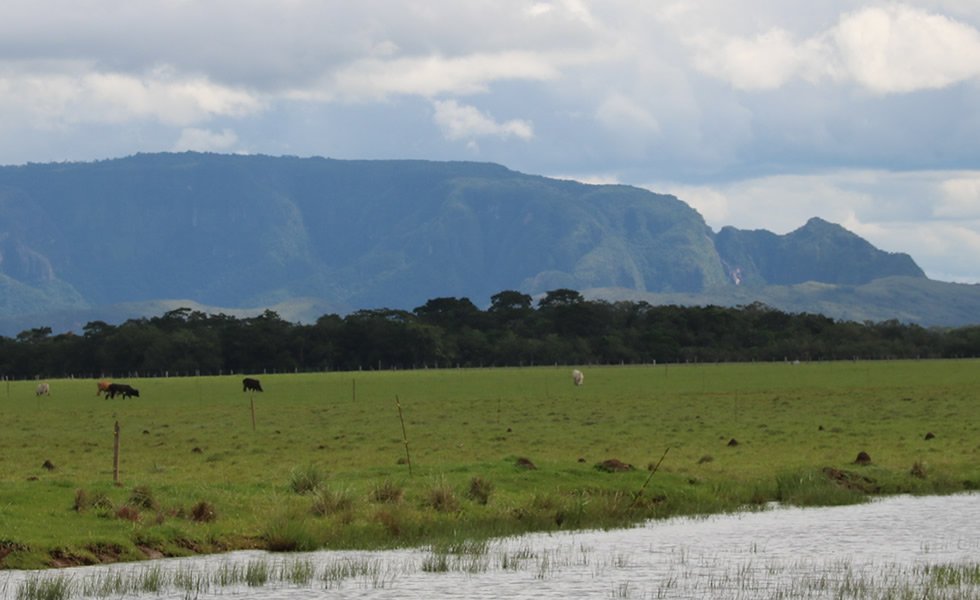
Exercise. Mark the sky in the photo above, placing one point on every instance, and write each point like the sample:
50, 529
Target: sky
760, 114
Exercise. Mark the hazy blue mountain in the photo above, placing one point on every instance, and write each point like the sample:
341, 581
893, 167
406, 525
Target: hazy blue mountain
248, 232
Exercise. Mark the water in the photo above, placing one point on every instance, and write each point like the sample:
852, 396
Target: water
888, 548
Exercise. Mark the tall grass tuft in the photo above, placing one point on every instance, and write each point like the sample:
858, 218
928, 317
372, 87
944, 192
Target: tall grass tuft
289, 533
151, 580
306, 480
203, 512
953, 575
329, 501
391, 520
479, 490
815, 489
297, 572
128, 513
82, 500
257, 573
42, 587
443, 498
387, 492
142, 497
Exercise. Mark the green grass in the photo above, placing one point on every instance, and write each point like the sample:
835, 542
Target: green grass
194, 476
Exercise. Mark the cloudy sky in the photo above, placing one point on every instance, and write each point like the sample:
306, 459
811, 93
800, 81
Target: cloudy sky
758, 113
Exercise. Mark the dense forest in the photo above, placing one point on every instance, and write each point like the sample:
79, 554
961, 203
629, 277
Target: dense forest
563, 328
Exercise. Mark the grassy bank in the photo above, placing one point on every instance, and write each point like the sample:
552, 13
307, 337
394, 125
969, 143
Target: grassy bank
326, 464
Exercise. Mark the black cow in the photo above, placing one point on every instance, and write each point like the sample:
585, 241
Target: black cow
122, 389
251, 384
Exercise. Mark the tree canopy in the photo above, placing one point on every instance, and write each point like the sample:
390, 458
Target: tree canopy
564, 329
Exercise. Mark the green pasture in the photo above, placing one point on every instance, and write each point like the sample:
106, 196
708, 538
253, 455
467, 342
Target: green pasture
325, 464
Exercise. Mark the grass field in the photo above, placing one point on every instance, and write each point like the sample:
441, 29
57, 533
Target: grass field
326, 464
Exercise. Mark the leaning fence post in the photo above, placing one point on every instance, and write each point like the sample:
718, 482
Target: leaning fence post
115, 455
636, 498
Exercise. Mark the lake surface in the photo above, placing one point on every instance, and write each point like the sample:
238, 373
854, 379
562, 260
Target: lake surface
894, 547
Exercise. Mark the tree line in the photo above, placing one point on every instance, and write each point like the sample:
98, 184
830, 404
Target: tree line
563, 328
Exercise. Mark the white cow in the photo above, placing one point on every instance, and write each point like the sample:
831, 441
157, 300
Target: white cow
43, 389
577, 377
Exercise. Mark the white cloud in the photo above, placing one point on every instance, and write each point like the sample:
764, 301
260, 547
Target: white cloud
51, 95
466, 122
899, 49
959, 198
374, 79
203, 140
764, 62
885, 49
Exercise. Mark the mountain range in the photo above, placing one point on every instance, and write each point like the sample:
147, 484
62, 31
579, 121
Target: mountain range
137, 236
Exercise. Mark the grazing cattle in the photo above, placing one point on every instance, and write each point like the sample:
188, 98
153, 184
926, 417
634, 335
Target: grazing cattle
103, 387
43, 389
122, 389
251, 384
577, 377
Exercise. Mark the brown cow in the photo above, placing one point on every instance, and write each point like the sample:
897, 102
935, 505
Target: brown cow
103, 387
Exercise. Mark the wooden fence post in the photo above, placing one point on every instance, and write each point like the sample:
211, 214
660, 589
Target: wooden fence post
404, 435
115, 455
252, 398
